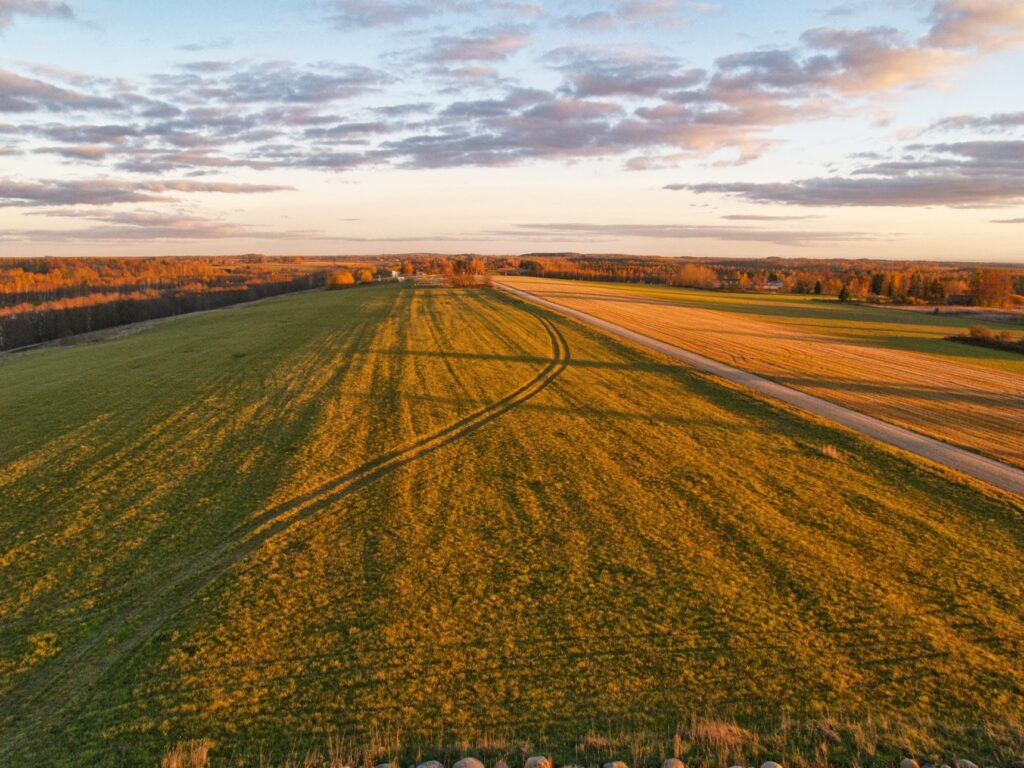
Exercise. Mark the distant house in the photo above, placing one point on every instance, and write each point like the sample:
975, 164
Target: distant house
387, 274
773, 286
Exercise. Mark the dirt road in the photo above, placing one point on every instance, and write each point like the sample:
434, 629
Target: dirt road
995, 473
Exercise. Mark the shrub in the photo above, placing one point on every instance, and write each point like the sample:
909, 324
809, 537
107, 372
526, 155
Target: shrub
981, 332
461, 280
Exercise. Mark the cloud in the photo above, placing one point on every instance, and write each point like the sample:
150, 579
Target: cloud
491, 45
758, 217
602, 73
864, 61
113, 191
523, 10
650, 109
577, 232
574, 231
347, 14
961, 174
648, 10
984, 25
26, 94
43, 8
1008, 221
76, 133
148, 225
350, 131
378, 13
220, 42
79, 152
270, 82
635, 12
526, 124
1003, 121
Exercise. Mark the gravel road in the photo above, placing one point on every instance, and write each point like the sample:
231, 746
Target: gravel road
994, 472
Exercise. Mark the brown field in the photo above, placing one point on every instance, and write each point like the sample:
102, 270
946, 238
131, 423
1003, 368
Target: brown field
846, 354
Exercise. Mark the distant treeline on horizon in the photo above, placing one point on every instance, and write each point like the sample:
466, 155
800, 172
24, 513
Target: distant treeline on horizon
43, 299
896, 282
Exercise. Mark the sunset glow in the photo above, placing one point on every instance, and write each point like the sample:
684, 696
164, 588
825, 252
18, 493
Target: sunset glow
877, 129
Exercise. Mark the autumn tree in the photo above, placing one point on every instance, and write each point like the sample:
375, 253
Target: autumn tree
695, 276
991, 287
341, 278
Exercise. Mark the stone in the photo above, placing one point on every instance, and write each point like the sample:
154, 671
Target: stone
965, 764
615, 764
771, 764
468, 762
1016, 764
537, 761
673, 762
909, 762
431, 764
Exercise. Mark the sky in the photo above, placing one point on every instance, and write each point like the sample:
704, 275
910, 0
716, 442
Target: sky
739, 128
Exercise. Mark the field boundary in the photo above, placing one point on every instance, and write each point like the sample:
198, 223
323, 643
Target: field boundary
995, 473
119, 331
33, 704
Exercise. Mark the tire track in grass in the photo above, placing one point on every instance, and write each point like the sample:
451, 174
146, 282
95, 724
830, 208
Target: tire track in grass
996, 473
32, 709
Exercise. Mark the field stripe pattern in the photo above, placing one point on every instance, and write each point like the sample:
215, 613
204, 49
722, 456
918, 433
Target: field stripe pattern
988, 470
78, 671
894, 365
631, 544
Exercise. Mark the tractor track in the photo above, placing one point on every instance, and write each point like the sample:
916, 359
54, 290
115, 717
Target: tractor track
34, 706
996, 473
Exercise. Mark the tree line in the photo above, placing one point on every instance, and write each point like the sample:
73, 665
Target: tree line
50, 298
883, 282
46, 299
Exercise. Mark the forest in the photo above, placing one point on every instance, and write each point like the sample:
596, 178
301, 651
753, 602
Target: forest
52, 298
895, 282
46, 299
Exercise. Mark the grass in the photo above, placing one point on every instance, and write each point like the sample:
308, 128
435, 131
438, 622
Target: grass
418, 522
892, 364
879, 326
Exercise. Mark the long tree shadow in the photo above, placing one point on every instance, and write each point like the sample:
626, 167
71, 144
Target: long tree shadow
32, 703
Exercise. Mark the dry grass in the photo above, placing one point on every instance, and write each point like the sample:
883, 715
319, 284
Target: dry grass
893, 365
634, 553
830, 740
831, 452
188, 754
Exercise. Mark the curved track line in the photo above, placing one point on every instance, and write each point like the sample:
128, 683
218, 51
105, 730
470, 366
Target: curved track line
36, 702
979, 467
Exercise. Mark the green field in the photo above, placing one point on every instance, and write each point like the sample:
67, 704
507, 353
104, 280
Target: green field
422, 522
895, 365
